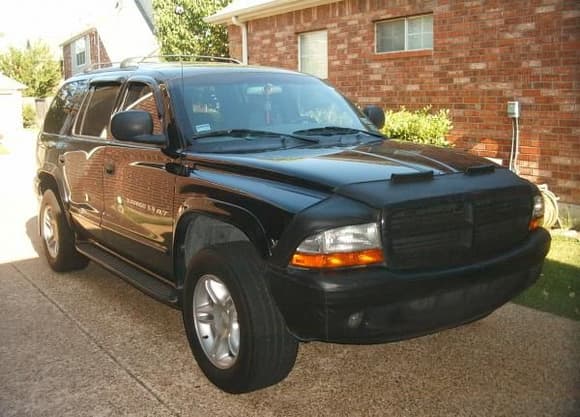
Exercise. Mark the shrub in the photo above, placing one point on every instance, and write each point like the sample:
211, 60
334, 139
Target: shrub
28, 116
420, 126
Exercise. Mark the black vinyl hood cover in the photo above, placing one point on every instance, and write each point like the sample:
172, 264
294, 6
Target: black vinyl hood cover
332, 167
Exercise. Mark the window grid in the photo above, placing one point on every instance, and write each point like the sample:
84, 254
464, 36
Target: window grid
406, 20
80, 49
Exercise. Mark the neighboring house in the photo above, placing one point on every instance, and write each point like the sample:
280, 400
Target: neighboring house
10, 105
125, 30
471, 57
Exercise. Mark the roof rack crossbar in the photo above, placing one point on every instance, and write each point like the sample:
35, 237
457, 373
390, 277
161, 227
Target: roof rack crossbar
98, 65
135, 61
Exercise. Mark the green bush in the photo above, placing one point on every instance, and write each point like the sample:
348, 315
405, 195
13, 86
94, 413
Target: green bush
28, 116
420, 126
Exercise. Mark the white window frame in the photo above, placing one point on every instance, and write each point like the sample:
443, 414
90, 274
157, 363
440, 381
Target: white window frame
406, 34
76, 67
300, 35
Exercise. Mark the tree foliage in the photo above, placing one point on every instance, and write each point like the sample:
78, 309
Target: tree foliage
182, 31
33, 66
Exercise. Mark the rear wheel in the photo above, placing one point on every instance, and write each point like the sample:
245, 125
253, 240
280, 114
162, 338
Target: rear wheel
235, 331
58, 239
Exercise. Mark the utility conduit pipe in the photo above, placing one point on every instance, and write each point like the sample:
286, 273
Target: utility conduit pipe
244, 27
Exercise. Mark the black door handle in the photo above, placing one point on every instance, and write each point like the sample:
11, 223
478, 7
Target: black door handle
109, 168
61, 159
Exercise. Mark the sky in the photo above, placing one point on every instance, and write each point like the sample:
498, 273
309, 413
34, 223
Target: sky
53, 21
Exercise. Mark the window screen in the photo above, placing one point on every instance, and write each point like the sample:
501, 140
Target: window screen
313, 56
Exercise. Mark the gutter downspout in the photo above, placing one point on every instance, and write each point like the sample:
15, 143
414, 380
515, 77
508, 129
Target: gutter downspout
244, 28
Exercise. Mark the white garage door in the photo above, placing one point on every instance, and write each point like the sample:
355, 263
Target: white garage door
11, 111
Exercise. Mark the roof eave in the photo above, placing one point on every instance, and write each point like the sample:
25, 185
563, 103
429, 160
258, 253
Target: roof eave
272, 8
78, 35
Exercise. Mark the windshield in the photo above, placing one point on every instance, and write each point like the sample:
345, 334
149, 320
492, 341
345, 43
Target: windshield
261, 101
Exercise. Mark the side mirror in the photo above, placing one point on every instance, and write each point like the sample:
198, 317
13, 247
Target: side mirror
376, 115
135, 126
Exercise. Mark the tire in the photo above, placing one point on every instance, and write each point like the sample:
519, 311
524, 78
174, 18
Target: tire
58, 239
258, 350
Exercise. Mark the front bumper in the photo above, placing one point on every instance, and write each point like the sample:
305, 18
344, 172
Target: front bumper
396, 305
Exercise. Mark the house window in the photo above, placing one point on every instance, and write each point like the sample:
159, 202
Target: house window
313, 53
80, 55
405, 34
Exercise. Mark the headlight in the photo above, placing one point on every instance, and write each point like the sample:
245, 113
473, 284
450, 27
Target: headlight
537, 212
355, 245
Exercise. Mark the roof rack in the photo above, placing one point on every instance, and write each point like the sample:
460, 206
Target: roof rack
99, 65
135, 61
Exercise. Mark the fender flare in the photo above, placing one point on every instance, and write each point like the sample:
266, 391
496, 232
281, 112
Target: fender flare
46, 175
228, 213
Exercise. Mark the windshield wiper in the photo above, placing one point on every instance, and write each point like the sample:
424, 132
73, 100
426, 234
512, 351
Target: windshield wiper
242, 133
336, 130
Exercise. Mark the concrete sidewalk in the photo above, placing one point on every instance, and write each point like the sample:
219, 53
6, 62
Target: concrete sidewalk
87, 344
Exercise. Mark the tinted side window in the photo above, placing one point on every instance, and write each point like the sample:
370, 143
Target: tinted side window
64, 107
141, 97
98, 111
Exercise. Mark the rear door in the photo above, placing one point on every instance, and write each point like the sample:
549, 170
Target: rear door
84, 156
138, 190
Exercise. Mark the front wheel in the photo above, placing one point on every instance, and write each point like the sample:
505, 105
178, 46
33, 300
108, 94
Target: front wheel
235, 331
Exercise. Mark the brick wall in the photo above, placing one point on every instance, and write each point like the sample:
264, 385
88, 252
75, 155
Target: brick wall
97, 52
485, 54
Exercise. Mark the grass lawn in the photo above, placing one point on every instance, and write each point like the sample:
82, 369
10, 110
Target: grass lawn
558, 289
3, 150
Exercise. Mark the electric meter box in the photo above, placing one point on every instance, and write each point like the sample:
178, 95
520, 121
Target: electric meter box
513, 109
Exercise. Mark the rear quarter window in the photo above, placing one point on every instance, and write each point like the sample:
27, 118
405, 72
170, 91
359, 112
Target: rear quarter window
64, 107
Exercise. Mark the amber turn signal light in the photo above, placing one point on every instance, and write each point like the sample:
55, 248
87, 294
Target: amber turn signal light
535, 223
337, 260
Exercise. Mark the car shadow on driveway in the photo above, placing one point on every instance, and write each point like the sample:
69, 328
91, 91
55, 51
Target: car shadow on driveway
33, 234
515, 362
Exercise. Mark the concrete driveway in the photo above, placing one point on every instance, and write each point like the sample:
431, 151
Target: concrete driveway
87, 344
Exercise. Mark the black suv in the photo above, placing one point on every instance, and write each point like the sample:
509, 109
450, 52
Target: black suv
270, 210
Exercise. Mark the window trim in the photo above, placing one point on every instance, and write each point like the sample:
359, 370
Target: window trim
87, 42
406, 34
325, 31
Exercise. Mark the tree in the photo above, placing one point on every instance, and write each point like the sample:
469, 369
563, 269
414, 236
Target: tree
182, 31
34, 66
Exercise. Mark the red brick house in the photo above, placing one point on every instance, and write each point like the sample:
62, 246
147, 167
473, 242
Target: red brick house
120, 30
471, 57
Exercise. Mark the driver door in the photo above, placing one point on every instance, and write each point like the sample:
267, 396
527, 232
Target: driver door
138, 190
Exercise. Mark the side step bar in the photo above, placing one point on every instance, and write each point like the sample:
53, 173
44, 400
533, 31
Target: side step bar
135, 276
